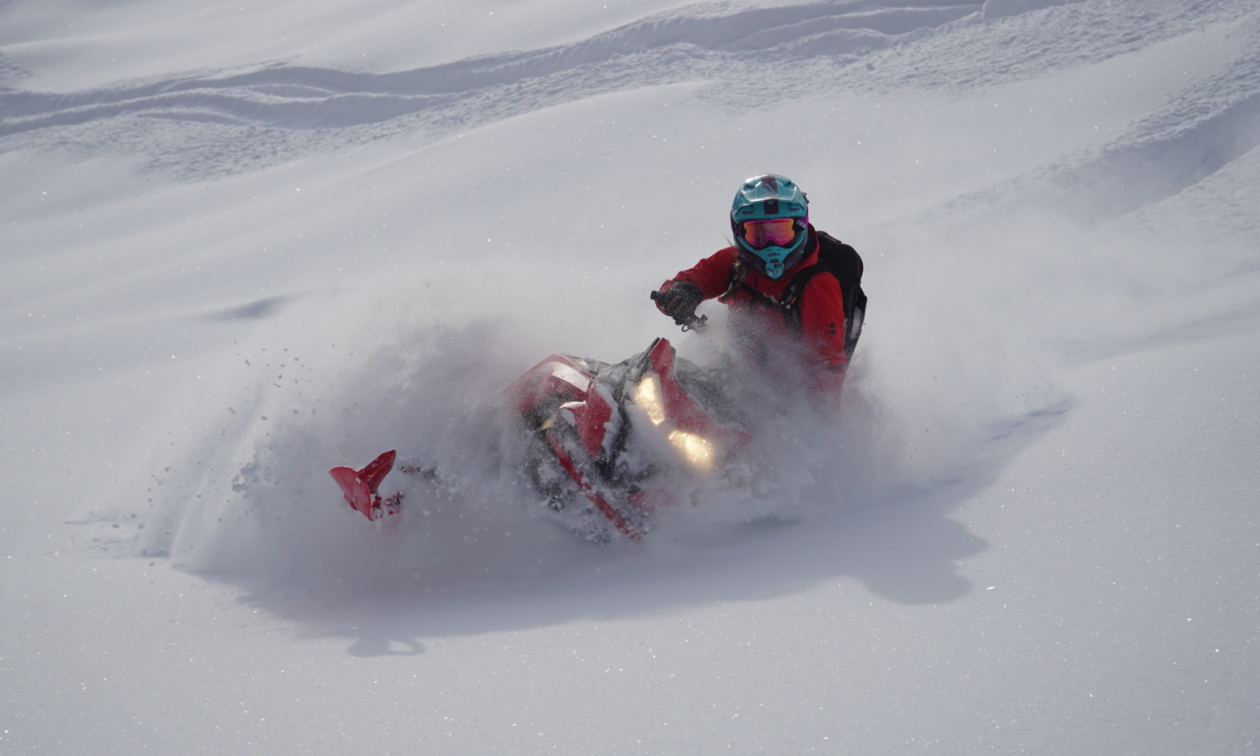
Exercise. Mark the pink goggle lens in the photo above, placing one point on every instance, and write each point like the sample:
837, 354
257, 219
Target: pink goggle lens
762, 233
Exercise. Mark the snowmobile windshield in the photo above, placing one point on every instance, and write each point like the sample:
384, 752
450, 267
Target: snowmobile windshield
763, 233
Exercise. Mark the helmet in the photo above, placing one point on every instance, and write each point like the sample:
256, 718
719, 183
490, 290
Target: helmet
770, 220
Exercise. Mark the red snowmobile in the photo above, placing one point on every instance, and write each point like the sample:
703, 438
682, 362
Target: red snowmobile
608, 444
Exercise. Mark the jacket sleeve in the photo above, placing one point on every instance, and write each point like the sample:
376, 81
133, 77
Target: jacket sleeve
822, 327
712, 274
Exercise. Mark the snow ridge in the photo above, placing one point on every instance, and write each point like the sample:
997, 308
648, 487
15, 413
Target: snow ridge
293, 95
1205, 128
474, 91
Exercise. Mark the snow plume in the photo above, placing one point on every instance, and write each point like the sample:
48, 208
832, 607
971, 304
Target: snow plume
405, 360
336, 378
261, 507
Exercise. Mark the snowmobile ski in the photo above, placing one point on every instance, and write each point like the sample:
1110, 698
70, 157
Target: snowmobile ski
358, 487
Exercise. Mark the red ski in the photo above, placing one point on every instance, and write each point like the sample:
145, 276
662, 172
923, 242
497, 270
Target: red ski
359, 487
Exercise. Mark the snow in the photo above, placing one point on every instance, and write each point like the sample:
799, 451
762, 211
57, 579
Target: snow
245, 242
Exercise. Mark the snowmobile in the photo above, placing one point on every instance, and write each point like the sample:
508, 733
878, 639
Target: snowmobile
607, 444
611, 444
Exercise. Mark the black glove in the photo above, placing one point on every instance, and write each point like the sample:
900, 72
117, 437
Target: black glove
679, 301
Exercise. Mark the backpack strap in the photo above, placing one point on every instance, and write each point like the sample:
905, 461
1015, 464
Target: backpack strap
834, 257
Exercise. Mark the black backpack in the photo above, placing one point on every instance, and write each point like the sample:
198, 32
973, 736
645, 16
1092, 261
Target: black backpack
834, 257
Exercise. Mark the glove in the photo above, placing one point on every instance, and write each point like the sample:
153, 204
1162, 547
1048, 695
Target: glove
679, 301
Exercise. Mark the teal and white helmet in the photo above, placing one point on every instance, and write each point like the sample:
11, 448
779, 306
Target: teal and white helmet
770, 220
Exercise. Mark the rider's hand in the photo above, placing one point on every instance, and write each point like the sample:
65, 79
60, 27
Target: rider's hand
679, 301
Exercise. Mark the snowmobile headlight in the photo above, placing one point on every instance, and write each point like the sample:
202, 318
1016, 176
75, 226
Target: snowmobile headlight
698, 450
648, 396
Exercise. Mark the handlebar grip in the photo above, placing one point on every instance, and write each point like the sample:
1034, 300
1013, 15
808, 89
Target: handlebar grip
690, 322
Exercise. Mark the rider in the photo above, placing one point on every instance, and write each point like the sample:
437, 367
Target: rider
770, 279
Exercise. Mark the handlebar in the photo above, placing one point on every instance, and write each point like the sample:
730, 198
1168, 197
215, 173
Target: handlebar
689, 320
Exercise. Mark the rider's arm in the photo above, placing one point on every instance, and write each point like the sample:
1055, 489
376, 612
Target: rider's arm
711, 275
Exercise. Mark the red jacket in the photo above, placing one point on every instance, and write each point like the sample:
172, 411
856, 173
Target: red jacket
821, 307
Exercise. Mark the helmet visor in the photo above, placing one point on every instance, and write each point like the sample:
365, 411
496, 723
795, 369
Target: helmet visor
763, 233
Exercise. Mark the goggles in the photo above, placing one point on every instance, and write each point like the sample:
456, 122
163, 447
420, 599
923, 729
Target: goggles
763, 233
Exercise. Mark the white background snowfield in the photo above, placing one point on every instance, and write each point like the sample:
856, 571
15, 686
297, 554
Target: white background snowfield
243, 242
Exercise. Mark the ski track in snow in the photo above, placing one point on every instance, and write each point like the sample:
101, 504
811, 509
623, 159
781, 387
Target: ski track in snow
223, 122
246, 120
1210, 123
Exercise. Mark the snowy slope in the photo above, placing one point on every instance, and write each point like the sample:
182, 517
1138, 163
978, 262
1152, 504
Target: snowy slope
243, 243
